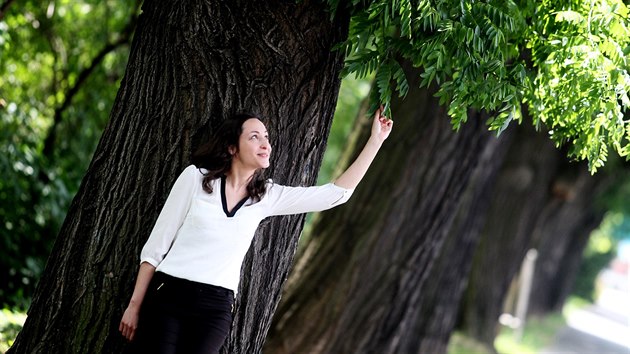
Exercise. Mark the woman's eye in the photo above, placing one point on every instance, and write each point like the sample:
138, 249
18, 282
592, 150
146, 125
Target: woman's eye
254, 137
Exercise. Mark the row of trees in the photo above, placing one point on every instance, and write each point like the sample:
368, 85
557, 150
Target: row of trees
433, 238
435, 216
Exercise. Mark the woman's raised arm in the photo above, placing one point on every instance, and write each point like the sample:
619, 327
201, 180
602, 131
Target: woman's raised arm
381, 127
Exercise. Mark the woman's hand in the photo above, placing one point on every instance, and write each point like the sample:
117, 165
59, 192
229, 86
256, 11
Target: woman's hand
129, 323
381, 126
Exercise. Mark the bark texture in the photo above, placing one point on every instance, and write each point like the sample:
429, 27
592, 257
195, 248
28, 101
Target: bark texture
561, 235
560, 230
541, 201
449, 276
192, 64
519, 195
358, 284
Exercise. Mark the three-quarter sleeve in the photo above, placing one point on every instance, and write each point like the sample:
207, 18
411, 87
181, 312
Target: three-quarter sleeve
171, 217
285, 200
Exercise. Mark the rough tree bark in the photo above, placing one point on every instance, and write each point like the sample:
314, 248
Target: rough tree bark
564, 224
449, 275
542, 201
561, 234
192, 64
520, 194
358, 284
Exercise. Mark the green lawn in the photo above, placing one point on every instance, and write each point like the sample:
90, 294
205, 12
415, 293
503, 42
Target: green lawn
537, 334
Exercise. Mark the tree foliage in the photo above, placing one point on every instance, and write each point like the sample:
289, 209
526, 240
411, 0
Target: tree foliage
565, 61
60, 65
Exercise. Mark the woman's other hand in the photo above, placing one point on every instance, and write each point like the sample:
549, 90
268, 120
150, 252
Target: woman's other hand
129, 323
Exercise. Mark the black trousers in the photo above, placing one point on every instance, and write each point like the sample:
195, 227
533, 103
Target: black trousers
181, 316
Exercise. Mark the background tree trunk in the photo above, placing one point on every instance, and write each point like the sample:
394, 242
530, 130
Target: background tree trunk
540, 200
358, 285
564, 221
192, 64
449, 275
519, 195
562, 234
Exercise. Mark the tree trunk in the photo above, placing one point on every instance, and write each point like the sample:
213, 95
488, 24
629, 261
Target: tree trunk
541, 201
520, 193
358, 285
449, 276
562, 234
192, 64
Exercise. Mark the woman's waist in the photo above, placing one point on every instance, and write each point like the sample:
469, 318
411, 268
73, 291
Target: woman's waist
162, 279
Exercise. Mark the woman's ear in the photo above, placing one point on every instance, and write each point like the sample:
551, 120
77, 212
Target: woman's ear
232, 150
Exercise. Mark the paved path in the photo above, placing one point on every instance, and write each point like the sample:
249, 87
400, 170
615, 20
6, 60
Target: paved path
603, 328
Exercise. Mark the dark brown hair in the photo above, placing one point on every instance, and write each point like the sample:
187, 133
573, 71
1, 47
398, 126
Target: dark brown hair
214, 156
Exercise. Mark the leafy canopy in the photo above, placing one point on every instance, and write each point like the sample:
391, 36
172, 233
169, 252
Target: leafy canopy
565, 61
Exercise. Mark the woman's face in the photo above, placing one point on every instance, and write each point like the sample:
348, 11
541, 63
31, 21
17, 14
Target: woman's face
254, 149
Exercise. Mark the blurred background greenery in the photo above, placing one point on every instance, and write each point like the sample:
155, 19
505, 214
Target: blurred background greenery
60, 66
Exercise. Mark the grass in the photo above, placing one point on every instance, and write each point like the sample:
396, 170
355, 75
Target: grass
461, 344
10, 324
537, 334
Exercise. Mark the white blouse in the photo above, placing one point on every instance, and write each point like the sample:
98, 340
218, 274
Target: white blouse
196, 238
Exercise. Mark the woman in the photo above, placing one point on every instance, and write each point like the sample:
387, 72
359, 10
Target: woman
190, 265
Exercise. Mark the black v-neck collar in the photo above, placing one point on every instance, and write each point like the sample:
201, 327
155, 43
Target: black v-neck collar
228, 213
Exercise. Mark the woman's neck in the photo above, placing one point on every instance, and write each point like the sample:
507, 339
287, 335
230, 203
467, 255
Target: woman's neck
237, 177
